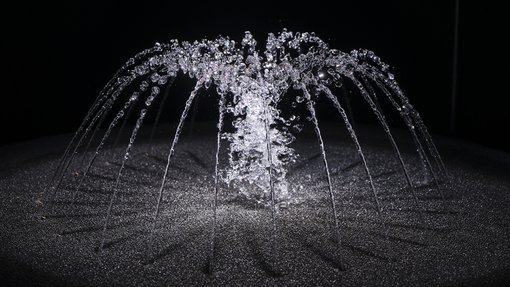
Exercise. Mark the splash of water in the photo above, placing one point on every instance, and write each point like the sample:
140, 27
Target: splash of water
251, 86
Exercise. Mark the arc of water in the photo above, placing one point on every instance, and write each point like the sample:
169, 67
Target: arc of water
92, 137
424, 157
119, 133
348, 107
88, 116
386, 128
378, 70
192, 121
104, 110
170, 153
216, 182
128, 105
405, 118
63, 163
269, 149
421, 126
415, 116
69, 160
161, 106
123, 126
408, 121
428, 139
354, 138
311, 109
402, 114
107, 90
139, 123
101, 114
117, 84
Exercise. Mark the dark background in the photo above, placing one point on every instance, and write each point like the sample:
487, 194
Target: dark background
58, 56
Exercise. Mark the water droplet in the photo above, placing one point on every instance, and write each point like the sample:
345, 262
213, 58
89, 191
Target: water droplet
208, 83
162, 80
297, 128
134, 96
154, 77
141, 69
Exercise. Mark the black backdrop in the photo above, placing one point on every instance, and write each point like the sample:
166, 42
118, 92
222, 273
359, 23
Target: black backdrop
59, 55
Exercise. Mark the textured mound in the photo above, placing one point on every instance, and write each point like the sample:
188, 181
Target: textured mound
464, 240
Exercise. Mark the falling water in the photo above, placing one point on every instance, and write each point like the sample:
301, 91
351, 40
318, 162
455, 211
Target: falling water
161, 106
251, 86
115, 189
216, 181
421, 151
311, 109
171, 152
123, 126
66, 159
354, 138
386, 128
119, 115
111, 90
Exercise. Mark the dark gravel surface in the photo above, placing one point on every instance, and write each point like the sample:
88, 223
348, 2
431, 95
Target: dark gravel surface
465, 239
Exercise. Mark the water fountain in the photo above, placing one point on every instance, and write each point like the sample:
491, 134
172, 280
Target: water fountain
271, 192
251, 85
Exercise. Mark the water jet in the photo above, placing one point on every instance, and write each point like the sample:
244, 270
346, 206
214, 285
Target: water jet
267, 193
251, 85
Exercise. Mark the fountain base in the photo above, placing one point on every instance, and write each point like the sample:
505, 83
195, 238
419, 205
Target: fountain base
463, 241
